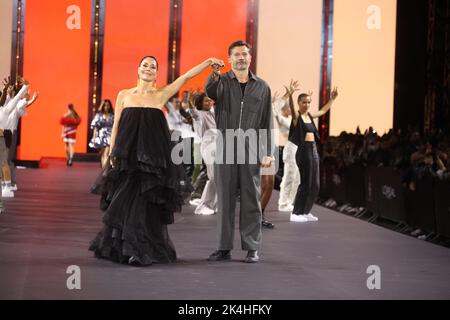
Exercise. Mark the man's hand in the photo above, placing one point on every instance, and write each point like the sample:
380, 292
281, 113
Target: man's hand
267, 161
216, 69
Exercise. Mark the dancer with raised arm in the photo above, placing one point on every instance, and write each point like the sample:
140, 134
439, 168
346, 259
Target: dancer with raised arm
304, 134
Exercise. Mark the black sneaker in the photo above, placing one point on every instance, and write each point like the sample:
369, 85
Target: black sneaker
252, 256
267, 224
220, 255
134, 261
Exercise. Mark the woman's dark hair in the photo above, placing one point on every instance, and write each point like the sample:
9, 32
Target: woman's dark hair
72, 110
238, 43
101, 109
301, 96
157, 65
199, 101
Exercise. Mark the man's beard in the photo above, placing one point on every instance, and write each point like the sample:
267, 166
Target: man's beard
240, 66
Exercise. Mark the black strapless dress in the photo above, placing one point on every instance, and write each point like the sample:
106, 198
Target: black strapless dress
141, 193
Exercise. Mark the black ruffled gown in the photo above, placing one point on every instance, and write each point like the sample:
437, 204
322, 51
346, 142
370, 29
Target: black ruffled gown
141, 193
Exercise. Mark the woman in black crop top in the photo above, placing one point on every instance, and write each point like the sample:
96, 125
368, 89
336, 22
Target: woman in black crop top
304, 134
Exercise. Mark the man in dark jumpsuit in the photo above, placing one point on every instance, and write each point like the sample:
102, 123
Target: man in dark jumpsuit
243, 114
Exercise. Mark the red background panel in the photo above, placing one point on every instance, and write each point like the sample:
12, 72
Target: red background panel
208, 28
56, 63
133, 29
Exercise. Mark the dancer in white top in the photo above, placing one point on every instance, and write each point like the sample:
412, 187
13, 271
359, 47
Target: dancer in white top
11, 125
291, 173
9, 112
205, 123
9, 117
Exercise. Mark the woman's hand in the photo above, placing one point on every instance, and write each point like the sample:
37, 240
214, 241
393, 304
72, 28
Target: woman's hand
275, 96
22, 81
112, 161
334, 93
293, 86
192, 96
214, 61
10, 90
35, 96
7, 82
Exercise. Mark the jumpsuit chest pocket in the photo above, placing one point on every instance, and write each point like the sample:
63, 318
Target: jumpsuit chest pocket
252, 112
253, 104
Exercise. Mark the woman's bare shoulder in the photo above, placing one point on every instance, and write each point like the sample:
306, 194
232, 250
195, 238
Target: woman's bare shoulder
125, 92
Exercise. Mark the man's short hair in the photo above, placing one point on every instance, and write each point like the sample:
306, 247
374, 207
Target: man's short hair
239, 43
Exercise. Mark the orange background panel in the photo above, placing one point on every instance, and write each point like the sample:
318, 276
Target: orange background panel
208, 28
133, 30
56, 63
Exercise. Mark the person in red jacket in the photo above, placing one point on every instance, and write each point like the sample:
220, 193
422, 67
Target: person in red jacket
70, 122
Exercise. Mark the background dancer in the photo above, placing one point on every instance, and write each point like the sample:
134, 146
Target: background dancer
267, 185
14, 108
291, 175
203, 114
102, 125
304, 134
11, 142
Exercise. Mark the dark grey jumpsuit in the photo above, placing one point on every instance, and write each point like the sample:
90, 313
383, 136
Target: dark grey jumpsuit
253, 110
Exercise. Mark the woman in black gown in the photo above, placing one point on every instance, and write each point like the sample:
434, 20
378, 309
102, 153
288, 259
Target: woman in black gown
142, 190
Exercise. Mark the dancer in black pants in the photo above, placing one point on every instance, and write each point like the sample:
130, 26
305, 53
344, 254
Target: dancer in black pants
304, 134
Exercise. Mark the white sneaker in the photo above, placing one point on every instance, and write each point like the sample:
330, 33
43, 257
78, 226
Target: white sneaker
298, 218
204, 210
287, 208
13, 187
310, 217
195, 202
7, 193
